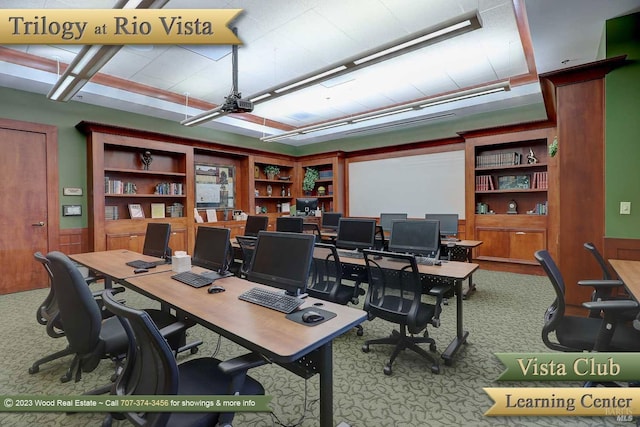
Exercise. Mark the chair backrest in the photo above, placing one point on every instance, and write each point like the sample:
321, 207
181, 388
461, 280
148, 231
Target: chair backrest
79, 311
290, 224
395, 293
48, 313
156, 239
554, 314
312, 228
247, 247
606, 275
325, 277
150, 368
255, 224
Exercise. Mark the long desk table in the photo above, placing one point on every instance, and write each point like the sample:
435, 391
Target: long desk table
256, 328
451, 270
629, 273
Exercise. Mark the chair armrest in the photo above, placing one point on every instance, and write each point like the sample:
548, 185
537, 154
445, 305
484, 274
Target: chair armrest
114, 291
242, 363
601, 283
172, 328
611, 305
439, 290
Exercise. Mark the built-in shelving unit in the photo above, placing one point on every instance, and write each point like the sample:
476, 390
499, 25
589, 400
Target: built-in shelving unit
272, 195
328, 187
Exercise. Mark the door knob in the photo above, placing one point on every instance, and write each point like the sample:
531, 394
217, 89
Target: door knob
38, 224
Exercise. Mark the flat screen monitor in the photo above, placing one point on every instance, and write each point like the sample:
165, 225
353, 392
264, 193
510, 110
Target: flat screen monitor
330, 220
156, 240
448, 223
289, 224
306, 205
386, 219
356, 233
211, 250
282, 260
418, 237
255, 224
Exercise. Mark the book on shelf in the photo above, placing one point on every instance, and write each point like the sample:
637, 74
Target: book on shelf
498, 159
111, 212
540, 180
484, 183
157, 210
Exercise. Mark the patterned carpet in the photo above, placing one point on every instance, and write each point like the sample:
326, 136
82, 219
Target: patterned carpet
505, 315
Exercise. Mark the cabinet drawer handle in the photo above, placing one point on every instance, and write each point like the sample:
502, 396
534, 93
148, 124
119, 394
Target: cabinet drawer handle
520, 232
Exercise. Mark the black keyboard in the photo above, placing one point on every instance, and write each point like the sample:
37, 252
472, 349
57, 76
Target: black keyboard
144, 264
351, 254
193, 279
273, 300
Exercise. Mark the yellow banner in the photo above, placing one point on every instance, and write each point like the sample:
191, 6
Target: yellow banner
614, 402
117, 26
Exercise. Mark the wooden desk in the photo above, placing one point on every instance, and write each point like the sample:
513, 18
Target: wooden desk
256, 328
463, 250
629, 273
453, 270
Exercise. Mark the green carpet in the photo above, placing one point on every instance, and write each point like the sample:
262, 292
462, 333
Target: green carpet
505, 315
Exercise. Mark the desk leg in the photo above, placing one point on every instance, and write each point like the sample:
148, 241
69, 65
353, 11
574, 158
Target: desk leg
461, 334
472, 286
326, 385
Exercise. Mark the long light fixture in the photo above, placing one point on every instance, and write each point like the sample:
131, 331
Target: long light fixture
92, 58
445, 30
398, 109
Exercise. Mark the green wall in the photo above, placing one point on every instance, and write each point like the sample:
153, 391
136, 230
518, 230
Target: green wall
622, 169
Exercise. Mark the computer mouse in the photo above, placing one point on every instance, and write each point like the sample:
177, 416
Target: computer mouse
214, 289
140, 270
312, 317
437, 262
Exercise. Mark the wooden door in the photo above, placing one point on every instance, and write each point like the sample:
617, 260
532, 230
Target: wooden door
29, 219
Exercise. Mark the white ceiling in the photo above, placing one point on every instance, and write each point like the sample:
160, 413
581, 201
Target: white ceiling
286, 39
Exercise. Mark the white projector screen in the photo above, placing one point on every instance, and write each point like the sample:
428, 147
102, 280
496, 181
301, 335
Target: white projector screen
428, 183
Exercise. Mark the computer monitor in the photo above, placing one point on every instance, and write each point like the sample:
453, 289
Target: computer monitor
289, 224
356, 233
306, 205
448, 223
255, 224
386, 219
282, 260
330, 220
211, 250
156, 240
418, 237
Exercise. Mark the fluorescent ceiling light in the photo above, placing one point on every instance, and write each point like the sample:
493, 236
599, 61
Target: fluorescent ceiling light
388, 113
310, 79
202, 117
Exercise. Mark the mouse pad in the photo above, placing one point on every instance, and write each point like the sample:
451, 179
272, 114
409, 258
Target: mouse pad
296, 316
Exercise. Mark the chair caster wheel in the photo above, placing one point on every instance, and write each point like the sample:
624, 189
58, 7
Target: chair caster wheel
435, 369
65, 379
194, 350
34, 369
387, 370
359, 332
432, 346
448, 362
365, 348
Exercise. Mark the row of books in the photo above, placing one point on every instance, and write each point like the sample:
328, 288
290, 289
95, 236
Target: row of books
540, 180
540, 209
484, 183
115, 186
111, 212
325, 174
170, 188
498, 159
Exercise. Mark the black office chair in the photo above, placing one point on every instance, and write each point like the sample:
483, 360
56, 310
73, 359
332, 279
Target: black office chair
48, 313
312, 228
151, 369
395, 295
325, 279
575, 333
90, 337
247, 247
380, 243
291, 224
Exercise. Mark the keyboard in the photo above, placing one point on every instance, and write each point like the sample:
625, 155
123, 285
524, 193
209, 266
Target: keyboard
273, 300
449, 239
192, 279
144, 264
423, 260
351, 254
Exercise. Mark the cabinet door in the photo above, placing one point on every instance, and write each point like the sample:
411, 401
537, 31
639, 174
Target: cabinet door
495, 244
524, 243
178, 240
132, 242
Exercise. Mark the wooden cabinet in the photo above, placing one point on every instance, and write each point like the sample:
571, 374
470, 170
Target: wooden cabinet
329, 188
508, 180
129, 234
270, 192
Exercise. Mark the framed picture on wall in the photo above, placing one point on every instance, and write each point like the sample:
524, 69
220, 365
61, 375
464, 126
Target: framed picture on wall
215, 186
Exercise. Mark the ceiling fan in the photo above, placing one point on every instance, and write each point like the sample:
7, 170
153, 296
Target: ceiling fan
233, 102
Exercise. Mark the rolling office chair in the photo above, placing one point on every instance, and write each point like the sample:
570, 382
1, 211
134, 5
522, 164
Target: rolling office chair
90, 337
395, 295
291, 224
312, 228
247, 247
325, 279
151, 369
575, 333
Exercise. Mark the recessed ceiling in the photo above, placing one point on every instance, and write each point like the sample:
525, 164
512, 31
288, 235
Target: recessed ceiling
286, 39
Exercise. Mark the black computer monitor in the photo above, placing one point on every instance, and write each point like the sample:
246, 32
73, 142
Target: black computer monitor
356, 233
156, 240
448, 223
330, 220
306, 205
386, 219
418, 237
282, 260
290, 224
211, 250
255, 224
